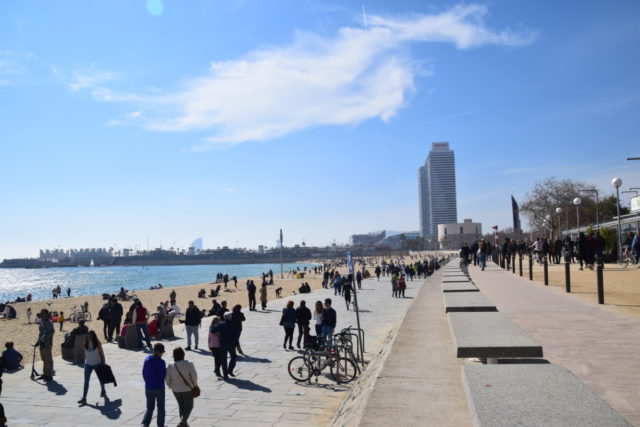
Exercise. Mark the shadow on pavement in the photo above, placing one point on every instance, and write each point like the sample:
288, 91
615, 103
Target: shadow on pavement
110, 409
248, 385
254, 359
55, 387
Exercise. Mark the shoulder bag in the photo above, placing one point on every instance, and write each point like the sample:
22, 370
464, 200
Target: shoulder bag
195, 390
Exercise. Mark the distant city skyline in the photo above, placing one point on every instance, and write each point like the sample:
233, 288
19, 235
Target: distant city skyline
231, 120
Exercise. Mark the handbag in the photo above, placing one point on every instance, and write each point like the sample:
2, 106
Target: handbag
195, 390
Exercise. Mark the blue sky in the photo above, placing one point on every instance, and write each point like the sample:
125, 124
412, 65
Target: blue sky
133, 119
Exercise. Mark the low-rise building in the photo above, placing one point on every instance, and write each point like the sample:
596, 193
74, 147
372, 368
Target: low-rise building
453, 236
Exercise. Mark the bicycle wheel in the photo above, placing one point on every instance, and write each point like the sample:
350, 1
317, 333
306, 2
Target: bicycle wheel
299, 369
73, 318
623, 261
87, 316
343, 370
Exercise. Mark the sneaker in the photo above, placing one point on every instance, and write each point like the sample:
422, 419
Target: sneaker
231, 374
187, 348
103, 394
196, 347
218, 374
82, 402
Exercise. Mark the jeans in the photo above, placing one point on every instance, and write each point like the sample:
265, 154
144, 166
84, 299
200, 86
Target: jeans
228, 367
87, 376
215, 352
114, 325
154, 397
192, 330
140, 328
288, 336
318, 330
252, 301
302, 331
327, 333
185, 404
483, 260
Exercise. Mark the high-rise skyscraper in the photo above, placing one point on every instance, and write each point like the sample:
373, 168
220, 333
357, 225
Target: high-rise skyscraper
437, 186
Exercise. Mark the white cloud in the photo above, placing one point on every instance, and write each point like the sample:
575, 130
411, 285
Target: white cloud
358, 75
89, 77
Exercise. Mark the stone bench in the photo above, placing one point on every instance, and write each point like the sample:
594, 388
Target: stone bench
490, 335
533, 395
456, 279
467, 301
74, 354
459, 287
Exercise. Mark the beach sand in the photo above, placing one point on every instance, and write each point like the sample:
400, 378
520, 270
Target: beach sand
24, 335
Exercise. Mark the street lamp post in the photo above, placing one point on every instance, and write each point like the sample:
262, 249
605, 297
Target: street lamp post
577, 202
617, 182
559, 211
593, 190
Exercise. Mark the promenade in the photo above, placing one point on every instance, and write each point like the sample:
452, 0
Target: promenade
262, 394
598, 346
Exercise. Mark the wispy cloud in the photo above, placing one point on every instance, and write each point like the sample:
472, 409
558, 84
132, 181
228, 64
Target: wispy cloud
357, 75
89, 77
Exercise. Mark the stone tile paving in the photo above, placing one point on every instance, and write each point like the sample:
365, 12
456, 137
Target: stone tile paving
262, 394
600, 347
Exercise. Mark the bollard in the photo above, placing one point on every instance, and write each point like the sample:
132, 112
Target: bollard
513, 264
567, 276
546, 272
530, 267
520, 263
600, 277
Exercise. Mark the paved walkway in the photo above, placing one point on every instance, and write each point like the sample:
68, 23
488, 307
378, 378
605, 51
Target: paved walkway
420, 383
262, 394
600, 347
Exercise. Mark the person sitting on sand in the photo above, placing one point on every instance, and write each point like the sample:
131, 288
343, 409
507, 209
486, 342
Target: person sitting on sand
11, 357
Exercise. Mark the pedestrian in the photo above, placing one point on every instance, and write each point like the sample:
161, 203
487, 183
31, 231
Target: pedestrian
182, 379
115, 317
226, 331
378, 270
237, 317
329, 320
214, 345
45, 342
61, 319
303, 317
193, 318
337, 284
359, 279
93, 357
402, 285
288, 322
483, 249
154, 371
140, 316
103, 315
346, 292
394, 284
29, 312
251, 290
317, 317
68, 292
263, 295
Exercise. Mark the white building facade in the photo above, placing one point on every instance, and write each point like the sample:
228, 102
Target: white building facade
453, 236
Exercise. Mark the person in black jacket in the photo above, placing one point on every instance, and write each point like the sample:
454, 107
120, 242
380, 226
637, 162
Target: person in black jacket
251, 290
103, 315
329, 320
303, 317
192, 319
288, 322
115, 316
227, 333
237, 317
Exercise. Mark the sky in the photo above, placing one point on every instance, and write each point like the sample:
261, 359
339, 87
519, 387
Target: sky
134, 121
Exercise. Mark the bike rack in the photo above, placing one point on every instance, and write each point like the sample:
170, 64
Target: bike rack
359, 342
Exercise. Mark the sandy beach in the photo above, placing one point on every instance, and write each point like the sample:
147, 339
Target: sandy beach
24, 335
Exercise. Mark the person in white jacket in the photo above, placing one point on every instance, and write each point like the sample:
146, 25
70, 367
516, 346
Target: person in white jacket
181, 379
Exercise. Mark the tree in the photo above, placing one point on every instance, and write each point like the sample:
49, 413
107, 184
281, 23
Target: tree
551, 193
608, 209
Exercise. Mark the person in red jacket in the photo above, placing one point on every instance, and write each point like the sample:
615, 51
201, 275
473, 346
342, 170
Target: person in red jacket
402, 285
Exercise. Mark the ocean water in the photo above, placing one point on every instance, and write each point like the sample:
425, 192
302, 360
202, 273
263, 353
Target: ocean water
18, 282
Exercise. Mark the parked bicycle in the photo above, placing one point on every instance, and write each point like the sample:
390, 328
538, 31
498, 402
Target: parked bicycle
627, 258
80, 314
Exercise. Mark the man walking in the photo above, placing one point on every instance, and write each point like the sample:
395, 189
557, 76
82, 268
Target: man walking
115, 316
154, 371
227, 332
193, 318
45, 342
303, 317
251, 289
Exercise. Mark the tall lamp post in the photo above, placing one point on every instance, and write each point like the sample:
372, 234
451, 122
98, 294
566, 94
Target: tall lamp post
617, 182
577, 202
593, 190
559, 211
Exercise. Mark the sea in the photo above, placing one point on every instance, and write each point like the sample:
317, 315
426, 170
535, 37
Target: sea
18, 282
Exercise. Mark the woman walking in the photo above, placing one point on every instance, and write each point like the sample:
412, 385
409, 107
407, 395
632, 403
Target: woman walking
263, 295
182, 379
402, 285
214, 346
317, 317
93, 357
288, 321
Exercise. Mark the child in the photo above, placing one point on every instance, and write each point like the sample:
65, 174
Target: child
29, 315
61, 319
11, 357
